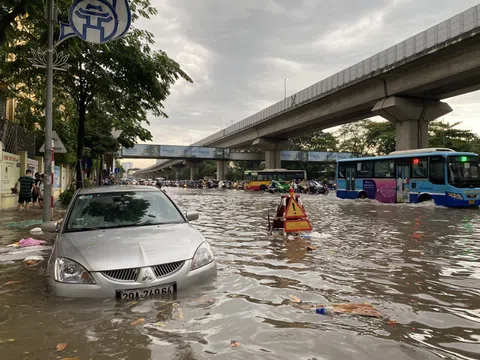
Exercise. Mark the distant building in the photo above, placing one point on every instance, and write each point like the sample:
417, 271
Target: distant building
127, 166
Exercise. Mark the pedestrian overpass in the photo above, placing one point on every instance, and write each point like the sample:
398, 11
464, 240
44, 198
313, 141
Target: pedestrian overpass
191, 156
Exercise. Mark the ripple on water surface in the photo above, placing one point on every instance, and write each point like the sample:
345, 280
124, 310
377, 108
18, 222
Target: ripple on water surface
418, 265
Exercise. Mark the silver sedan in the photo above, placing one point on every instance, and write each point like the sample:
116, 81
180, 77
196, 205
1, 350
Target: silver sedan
128, 242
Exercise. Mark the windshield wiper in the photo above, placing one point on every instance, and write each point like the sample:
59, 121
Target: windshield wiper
159, 223
85, 229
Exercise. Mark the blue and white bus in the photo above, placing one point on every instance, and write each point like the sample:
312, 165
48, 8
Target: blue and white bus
447, 177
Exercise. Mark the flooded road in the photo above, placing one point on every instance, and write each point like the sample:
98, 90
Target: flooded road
417, 264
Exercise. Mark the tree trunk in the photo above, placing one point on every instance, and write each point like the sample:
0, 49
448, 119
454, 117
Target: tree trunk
100, 171
80, 137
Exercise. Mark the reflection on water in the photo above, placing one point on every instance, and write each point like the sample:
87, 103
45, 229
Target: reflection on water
418, 265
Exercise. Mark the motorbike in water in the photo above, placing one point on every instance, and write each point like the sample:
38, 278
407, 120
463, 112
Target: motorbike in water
278, 187
324, 190
314, 187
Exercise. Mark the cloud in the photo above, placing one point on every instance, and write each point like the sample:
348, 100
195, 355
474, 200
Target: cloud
239, 53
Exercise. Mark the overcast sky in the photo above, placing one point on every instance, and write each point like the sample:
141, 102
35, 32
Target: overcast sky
238, 53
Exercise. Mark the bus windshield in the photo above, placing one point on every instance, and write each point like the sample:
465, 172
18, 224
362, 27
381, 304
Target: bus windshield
463, 171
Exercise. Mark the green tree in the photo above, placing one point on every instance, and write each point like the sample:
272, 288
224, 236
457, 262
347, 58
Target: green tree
444, 134
367, 137
10, 11
117, 83
238, 168
315, 141
380, 137
207, 168
351, 137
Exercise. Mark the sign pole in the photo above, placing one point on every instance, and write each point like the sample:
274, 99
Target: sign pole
48, 175
52, 200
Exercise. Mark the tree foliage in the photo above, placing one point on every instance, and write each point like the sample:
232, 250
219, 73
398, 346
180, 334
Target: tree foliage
10, 10
316, 141
444, 134
110, 85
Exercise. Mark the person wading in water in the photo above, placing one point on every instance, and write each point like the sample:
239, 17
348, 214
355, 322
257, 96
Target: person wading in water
27, 185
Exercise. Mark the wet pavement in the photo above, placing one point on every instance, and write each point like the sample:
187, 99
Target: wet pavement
417, 264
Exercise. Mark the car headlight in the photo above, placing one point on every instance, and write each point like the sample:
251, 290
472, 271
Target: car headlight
203, 256
71, 272
455, 196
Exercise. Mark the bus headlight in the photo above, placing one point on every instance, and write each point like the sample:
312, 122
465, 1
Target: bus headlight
455, 196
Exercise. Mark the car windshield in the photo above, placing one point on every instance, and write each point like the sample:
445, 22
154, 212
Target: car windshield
463, 171
121, 209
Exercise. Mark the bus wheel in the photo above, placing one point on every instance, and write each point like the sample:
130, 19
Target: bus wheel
425, 197
363, 195
263, 187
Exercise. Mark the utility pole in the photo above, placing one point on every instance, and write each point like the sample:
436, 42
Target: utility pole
48, 171
285, 87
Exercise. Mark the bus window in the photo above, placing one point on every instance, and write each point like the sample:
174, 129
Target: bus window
436, 173
364, 169
419, 168
383, 169
341, 170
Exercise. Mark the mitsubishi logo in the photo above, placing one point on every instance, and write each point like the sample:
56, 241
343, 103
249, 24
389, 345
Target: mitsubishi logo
147, 275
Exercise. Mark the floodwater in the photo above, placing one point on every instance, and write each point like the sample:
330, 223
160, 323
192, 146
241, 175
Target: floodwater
418, 265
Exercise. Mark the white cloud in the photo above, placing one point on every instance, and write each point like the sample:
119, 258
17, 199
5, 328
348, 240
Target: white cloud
239, 53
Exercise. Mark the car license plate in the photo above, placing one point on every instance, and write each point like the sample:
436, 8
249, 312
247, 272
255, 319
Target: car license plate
155, 291
471, 202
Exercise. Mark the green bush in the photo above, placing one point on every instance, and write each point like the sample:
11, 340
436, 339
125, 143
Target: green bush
67, 196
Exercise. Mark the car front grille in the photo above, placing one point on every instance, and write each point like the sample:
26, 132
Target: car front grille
167, 269
123, 274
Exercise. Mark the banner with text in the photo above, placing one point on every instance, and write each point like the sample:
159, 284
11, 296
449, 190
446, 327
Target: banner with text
56, 177
10, 171
174, 151
293, 156
317, 156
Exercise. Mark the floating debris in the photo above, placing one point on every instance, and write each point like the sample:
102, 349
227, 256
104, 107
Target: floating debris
138, 322
295, 299
62, 346
234, 343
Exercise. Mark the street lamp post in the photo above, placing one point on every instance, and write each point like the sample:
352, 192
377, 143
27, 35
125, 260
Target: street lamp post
48, 173
49, 60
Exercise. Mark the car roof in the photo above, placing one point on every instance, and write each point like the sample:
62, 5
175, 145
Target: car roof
118, 188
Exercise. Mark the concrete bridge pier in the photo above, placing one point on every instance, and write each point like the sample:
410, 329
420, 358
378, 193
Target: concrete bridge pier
193, 173
222, 169
411, 117
194, 168
176, 170
272, 148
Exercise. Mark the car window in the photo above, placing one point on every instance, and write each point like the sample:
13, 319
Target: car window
121, 209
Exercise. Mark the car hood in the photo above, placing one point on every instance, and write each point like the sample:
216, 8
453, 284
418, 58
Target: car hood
123, 248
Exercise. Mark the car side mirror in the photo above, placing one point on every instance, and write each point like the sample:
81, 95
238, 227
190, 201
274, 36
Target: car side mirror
49, 226
192, 216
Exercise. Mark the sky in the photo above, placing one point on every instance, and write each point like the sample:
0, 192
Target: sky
239, 53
